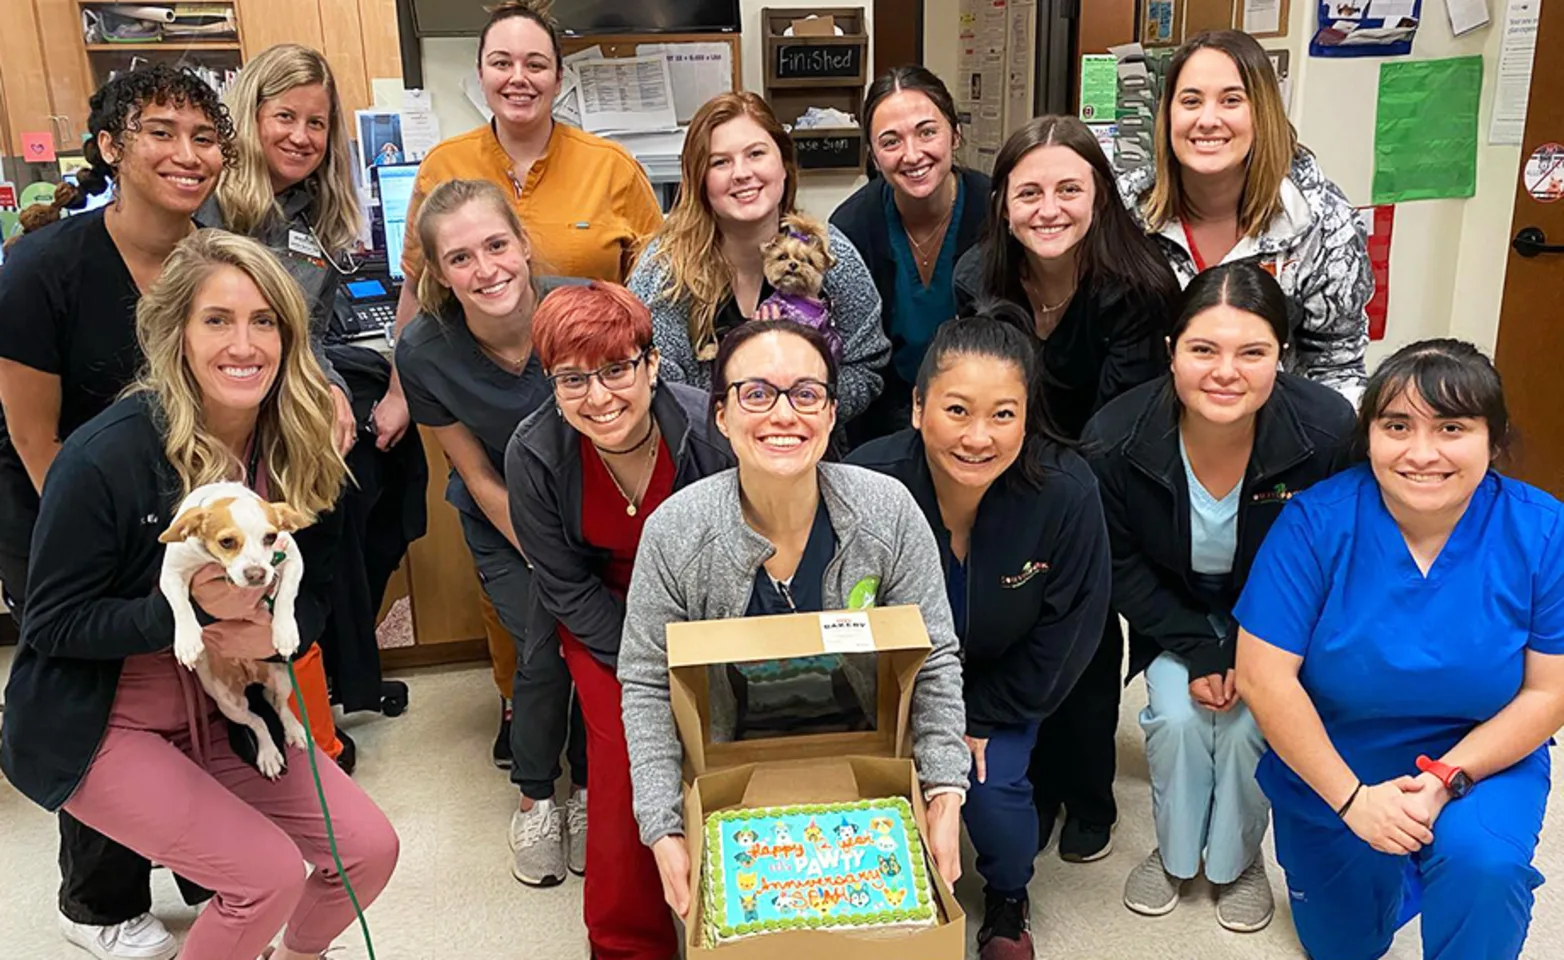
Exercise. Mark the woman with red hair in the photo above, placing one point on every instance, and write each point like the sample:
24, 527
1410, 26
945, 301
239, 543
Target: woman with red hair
583, 474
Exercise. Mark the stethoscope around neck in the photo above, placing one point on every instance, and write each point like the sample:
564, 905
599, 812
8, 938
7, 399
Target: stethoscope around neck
353, 265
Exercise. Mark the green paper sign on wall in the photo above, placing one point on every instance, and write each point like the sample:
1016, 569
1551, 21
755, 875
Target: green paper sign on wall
1425, 129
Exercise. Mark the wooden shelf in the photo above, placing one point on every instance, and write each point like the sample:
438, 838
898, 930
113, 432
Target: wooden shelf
170, 3
216, 45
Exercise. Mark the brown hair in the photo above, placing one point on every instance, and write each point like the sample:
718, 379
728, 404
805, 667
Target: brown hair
698, 274
540, 12
1270, 155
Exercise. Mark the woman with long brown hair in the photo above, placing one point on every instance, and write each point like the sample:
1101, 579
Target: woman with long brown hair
702, 275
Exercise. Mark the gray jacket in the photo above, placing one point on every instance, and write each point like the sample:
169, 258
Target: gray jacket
848, 289
698, 560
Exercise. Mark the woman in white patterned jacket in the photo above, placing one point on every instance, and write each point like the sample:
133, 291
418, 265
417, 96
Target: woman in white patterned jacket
1231, 182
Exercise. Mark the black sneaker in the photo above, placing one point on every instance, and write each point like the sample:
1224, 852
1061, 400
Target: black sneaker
1006, 933
348, 758
1045, 827
502, 757
1084, 842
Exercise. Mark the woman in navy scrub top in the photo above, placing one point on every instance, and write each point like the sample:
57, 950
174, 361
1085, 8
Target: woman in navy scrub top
1403, 651
911, 225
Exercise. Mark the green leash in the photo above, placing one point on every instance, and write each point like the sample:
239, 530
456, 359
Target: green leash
320, 793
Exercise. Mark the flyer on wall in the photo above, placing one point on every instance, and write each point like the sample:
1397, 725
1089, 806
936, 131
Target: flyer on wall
1366, 28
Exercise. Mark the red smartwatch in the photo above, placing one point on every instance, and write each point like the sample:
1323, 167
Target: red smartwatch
1454, 778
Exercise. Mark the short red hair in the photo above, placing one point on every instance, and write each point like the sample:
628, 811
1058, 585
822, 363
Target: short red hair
590, 324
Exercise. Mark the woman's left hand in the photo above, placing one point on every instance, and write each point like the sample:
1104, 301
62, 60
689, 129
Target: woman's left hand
945, 836
978, 747
1424, 797
768, 311
344, 429
243, 630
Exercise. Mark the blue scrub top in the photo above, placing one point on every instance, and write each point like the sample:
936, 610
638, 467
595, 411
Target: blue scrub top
916, 311
1397, 663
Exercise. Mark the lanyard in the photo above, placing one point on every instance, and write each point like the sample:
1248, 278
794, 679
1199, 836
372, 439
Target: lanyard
1189, 238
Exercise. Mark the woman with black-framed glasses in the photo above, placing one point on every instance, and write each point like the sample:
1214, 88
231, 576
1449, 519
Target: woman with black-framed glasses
583, 475
784, 533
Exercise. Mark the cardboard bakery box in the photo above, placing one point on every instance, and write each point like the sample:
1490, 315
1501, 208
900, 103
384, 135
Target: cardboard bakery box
811, 768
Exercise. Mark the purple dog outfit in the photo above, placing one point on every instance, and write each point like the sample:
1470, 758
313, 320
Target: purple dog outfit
810, 313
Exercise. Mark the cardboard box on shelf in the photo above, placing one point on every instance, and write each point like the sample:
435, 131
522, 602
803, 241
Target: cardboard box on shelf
812, 768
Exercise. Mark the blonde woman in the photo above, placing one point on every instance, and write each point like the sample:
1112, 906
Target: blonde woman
1232, 182
470, 375
291, 187
701, 274
100, 719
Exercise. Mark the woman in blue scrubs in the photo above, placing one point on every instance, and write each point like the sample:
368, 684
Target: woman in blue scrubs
1403, 651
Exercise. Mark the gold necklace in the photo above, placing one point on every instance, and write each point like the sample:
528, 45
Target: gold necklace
645, 482
917, 247
514, 366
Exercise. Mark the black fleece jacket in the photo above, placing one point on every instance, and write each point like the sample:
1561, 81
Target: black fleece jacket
1037, 579
1302, 436
92, 596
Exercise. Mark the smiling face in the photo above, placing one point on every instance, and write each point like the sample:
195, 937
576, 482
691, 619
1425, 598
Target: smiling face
914, 145
780, 443
1210, 123
745, 176
482, 261
1048, 201
232, 343
1427, 464
973, 420
613, 415
171, 157
518, 73
294, 127
1224, 364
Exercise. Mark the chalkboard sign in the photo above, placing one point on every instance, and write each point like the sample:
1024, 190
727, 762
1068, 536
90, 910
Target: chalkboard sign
802, 61
830, 152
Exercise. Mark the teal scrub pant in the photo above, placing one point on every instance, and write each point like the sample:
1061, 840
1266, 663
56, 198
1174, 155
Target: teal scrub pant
1473, 884
1204, 797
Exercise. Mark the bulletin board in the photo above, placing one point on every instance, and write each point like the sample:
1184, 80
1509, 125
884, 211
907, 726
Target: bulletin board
1168, 23
624, 44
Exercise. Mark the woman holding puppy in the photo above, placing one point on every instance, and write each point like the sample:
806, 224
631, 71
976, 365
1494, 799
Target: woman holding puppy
784, 533
710, 269
100, 719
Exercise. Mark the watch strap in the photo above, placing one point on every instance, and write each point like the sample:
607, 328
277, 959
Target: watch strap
1444, 771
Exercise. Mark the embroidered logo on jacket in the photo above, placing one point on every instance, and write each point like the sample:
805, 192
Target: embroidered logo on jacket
1277, 494
1029, 569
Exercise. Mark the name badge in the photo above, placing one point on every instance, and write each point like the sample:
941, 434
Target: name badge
304, 244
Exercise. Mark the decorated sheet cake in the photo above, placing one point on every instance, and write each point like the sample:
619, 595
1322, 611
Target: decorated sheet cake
814, 866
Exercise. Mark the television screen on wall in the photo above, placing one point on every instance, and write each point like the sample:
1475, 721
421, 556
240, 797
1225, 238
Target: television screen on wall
462, 18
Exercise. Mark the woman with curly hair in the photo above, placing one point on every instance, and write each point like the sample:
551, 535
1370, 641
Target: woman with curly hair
67, 348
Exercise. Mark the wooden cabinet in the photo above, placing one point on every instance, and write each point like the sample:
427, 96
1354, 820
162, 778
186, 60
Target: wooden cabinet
358, 37
44, 72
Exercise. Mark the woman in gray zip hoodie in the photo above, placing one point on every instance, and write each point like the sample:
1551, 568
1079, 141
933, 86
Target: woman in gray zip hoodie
783, 532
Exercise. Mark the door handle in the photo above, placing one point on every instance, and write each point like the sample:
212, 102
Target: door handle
1531, 241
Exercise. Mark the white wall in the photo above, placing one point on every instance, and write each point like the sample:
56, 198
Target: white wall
447, 60
1447, 257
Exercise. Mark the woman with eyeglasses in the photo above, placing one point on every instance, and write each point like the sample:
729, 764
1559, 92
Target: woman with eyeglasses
583, 474
471, 374
785, 533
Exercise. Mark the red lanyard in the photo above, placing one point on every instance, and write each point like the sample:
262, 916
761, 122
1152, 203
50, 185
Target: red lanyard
1189, 238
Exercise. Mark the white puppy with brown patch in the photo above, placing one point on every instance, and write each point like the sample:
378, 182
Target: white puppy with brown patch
232, 526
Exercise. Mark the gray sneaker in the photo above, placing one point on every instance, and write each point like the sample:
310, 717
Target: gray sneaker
538, 838
1150, 889
1246, 905
576, 827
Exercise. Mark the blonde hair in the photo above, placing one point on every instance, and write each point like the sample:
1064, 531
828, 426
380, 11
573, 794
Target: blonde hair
245, 192
1271, 153
699, 276
453, 196
295, 421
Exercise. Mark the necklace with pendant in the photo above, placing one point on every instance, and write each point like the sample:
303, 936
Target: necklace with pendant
646, 480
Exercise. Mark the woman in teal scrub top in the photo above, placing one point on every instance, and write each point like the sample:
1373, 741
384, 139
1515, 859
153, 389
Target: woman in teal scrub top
1403, 651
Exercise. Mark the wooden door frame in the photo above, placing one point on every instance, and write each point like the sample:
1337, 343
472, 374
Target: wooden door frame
897, 11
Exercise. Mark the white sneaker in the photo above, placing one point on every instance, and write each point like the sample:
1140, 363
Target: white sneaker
576, 827
537, 837
144, 938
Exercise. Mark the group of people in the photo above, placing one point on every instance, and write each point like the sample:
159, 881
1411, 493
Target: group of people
1145, 411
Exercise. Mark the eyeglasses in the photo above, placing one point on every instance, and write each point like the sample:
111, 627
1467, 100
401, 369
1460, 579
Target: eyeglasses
574, 384
759, 396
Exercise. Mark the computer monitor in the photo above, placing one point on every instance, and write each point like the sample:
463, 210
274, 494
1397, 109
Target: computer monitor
395, 186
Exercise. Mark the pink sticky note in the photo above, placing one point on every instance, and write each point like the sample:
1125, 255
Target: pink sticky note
38, 147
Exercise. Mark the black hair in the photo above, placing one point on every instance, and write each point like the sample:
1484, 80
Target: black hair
1243, 285
997, 330
116, 107
910, 77
1455, 380
539, 12
1115, 250
746, 332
